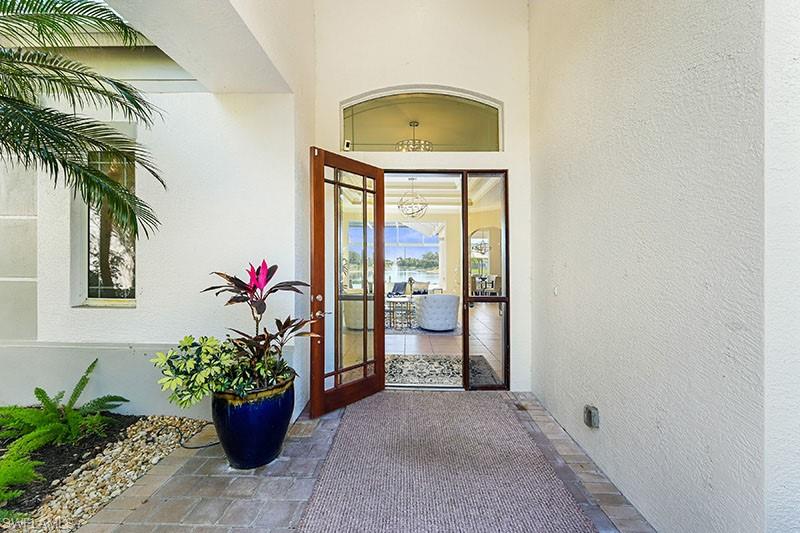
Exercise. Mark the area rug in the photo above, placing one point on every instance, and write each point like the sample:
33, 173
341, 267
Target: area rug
438, 462
439, 370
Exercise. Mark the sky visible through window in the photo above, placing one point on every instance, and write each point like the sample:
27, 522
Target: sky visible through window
409, 253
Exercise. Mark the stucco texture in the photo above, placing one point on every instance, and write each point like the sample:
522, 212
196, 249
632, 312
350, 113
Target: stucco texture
647, 152
782, 268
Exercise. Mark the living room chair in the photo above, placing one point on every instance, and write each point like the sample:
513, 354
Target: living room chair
437, 312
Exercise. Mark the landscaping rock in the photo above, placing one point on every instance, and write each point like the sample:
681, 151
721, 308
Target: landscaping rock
86, 490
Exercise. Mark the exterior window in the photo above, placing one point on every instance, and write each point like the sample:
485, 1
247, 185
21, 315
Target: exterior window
112, 253
421, 122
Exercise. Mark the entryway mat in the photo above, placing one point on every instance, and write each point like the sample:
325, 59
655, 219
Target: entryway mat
438, 462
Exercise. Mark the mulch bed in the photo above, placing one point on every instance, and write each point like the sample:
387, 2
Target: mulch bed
60, 461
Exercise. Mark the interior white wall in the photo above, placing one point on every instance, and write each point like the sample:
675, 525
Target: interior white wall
782, 268
473, 45
647, 164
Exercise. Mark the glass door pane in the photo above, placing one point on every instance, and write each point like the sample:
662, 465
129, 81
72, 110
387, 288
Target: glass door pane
486, 281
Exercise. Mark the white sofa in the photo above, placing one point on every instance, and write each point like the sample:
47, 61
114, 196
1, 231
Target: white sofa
437, 312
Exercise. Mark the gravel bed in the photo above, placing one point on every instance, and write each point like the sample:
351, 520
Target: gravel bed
91, 486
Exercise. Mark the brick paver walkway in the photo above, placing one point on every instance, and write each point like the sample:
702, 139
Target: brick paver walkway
196, 491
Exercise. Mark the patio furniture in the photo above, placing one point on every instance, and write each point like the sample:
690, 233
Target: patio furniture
437, 312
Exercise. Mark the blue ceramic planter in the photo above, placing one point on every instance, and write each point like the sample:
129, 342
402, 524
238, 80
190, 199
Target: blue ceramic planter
251, 429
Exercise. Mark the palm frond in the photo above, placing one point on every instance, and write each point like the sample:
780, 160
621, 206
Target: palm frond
27, 74
58, 23
60, 143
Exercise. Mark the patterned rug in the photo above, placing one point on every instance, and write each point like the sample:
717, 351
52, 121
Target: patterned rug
431, 462
440, 370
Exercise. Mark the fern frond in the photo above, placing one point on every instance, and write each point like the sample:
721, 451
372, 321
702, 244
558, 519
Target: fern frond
15, 471
103, 403
16, 421
80, 386
36, 439
49, 405
59, 23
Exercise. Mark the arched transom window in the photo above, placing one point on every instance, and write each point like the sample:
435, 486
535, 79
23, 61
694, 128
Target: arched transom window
421, 122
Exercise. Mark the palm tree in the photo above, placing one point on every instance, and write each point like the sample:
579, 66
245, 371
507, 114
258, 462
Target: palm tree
59, 143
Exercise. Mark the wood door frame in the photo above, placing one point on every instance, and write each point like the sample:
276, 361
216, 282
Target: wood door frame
467, 299
323, 401
465, 257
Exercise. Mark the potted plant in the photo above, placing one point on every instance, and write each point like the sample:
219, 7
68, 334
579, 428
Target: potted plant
251, 385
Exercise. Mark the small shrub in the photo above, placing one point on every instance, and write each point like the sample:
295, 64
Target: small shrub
52, 421
15, 471
31, 428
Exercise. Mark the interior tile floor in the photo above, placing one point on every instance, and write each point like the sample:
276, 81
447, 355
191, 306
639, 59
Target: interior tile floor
197, 491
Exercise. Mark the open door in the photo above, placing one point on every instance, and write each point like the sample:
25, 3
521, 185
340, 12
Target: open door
347, 359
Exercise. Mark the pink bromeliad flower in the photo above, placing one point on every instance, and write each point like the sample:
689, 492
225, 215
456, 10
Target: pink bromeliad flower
258, 276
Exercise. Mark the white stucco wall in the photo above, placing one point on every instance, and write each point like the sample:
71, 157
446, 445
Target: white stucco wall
229, 165
285, 29
648, 240
227, 160
781, 265
473, 45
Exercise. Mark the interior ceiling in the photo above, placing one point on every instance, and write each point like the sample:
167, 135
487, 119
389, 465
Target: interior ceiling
451, 123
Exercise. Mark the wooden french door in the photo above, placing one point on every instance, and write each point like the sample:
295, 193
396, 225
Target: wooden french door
347, 359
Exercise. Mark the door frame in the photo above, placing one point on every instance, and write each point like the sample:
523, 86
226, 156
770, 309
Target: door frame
323, 401
466, 299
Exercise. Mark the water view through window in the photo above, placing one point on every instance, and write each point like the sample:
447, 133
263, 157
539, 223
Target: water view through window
411, 251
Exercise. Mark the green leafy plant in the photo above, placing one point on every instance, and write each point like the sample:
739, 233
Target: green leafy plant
195, 369
54, 422
58, 142
29, 428
240, 364
15, 472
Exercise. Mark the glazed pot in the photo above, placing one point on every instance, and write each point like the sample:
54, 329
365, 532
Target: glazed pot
251, 429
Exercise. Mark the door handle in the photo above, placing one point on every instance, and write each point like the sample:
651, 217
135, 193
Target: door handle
319, 297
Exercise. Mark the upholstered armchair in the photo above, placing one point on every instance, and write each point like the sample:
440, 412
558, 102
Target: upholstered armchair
437, 312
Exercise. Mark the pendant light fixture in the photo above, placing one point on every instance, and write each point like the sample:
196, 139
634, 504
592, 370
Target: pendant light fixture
413, 144
411, 204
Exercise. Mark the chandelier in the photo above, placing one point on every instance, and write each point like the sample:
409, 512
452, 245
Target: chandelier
411, 204
481, 248
413, 144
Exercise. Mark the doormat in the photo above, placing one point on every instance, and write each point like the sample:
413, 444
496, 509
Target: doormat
431, 462
440, 370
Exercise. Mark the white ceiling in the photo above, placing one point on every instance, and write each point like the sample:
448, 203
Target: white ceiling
209, 39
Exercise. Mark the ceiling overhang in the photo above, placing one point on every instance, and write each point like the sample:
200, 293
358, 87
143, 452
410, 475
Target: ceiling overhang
209, 39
